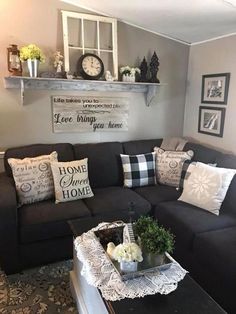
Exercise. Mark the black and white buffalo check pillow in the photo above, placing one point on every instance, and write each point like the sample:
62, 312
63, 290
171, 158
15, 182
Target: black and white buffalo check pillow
139, 170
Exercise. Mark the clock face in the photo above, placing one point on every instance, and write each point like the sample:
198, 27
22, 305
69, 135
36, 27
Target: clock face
91, 66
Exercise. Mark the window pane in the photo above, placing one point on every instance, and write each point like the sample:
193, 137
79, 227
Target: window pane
90, 34
74, 55
107, 61
105, 35
74, 32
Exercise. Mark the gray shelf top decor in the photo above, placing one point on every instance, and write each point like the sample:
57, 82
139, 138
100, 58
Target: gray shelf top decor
22, 83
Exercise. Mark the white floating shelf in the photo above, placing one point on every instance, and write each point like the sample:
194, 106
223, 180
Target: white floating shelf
22, 83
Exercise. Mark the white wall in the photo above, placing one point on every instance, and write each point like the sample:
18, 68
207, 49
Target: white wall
218, 56
39, 22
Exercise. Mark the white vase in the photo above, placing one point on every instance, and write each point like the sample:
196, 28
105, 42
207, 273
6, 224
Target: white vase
33, 65
128, 78
127, 267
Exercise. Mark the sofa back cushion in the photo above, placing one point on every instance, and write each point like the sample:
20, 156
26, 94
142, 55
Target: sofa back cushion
202, 153
140, 146
228, 206
64, 151
104, 163
228, 161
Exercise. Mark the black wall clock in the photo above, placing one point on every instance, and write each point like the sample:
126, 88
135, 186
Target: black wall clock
90, 66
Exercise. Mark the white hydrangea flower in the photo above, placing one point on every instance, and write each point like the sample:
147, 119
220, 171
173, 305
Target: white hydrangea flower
127, 252
128, 70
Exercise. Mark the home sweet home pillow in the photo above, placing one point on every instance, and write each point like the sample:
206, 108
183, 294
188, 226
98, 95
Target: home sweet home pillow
206, 186
71, 180
169, 165
33, 178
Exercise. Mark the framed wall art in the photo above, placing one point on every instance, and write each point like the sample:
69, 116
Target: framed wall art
211, 120
215, 88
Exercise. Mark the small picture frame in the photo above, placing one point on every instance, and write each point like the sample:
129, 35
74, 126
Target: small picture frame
215, 88
211, 120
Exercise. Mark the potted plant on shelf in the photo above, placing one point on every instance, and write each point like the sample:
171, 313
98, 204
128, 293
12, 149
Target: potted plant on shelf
33, 55
154, 239
128, 73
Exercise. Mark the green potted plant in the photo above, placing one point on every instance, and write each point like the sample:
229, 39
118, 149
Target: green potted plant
33, 55
155, 240
142, 224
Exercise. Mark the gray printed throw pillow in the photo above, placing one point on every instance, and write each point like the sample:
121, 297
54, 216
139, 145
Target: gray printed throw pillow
33, 178
169, 165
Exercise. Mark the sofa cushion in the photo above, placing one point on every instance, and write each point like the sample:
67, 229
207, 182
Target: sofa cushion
45, 220
228, 205
116, 199
216, 250
139, 170
71, 180
104, 163
158, 193
186, 220
203, 153
64, 151
33, 178
226, 161
140, 146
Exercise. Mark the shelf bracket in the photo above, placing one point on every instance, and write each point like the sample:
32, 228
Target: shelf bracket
22, 91
151, 93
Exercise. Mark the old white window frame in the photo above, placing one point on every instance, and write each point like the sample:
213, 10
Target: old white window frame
83, 17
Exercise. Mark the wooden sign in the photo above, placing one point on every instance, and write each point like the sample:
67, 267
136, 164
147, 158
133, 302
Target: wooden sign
81, 113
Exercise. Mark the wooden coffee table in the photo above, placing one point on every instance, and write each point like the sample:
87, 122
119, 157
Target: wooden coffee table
188, 298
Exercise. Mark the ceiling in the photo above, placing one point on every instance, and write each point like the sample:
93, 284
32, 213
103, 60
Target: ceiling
189, 21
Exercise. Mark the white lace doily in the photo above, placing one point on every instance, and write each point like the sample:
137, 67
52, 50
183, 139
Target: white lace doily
100, 272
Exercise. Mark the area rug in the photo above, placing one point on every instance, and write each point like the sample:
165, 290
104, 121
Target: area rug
39, 290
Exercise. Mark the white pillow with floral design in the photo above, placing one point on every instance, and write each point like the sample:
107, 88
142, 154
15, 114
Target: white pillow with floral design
206, 186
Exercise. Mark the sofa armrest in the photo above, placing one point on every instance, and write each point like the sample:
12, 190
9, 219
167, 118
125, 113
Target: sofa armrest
8, 225
8, 201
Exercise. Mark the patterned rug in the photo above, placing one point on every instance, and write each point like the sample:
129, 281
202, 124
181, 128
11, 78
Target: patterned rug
38, 290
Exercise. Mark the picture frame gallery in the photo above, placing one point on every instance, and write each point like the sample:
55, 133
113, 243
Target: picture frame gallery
215, 88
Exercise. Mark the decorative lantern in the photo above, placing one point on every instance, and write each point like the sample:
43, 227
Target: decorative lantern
13, 61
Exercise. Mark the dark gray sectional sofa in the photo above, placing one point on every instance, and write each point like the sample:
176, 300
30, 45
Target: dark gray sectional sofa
39, 233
